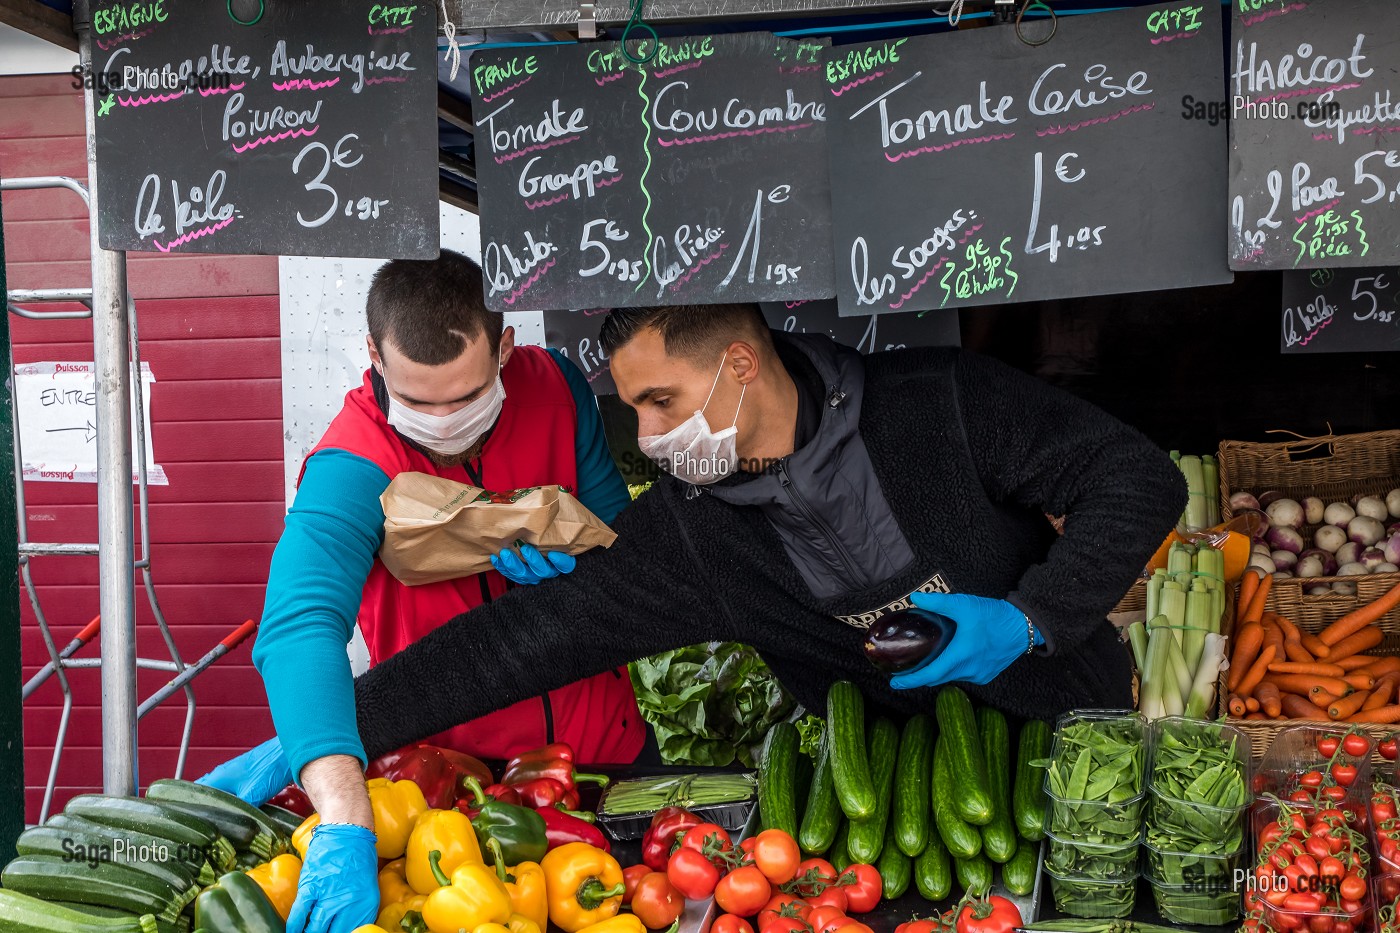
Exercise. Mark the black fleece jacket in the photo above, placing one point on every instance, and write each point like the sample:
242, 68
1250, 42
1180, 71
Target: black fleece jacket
969, 454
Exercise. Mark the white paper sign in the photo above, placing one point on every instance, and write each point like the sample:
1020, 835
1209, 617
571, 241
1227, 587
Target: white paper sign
57, 404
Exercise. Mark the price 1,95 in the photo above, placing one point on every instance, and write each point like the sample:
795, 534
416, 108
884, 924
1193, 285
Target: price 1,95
343, 156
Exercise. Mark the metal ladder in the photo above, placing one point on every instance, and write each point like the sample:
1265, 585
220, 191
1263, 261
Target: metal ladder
61, 661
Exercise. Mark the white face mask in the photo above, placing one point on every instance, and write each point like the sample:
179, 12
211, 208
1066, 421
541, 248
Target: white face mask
691, 451
452, 433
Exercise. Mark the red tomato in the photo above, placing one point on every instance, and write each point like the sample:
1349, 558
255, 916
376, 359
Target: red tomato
743, 891
1311, 779
782, 906
853, 926
1327, 745
788, 925
776, 855
1305, 903
813, 873
1320, 923
1331, 870
834, 896
1356, 745
747, 846
1343, 926
1388, 749
1317, 847
693, 875
989, 915
863, 888
917, 926
1382, 808
827, 919
708, 835
630, 876
1344, 775
728, 923
1308, 864
1299, 796
1338, 792
657, 902
1353, 888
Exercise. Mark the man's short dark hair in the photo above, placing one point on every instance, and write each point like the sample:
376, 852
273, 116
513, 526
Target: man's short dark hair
430, 308
692, 331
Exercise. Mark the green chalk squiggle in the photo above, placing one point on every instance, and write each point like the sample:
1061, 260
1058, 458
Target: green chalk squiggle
646, 148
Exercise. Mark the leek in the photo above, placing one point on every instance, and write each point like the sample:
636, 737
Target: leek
1197, 510
1137, 639
1179, 682
1154, 592
1203, 686
1150, 687
1198, 606
1173, 607
1211, 477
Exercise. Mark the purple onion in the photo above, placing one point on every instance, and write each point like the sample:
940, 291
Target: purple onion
1372, 557
1320, 589
1326, 561
1365, 530
1392, 549
1348, 553
1282, 538
1269, 498
1329, 538
1284, 560
1242, 500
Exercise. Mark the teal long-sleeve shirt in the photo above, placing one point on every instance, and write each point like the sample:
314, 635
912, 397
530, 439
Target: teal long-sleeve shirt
333, 531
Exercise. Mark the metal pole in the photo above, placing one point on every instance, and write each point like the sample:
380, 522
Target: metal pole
115, 554
11, 710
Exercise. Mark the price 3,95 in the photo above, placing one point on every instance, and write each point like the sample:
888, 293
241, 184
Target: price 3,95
343, 156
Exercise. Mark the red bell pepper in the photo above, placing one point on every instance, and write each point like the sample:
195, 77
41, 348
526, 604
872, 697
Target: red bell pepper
438, 772
667, 826
472, 803
505, 794
563, 826
547, 792
552, 761
294, 798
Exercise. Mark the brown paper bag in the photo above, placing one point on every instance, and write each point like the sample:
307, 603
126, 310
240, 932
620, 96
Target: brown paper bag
438, 529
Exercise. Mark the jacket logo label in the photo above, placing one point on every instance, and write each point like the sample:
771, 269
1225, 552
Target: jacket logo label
863, 620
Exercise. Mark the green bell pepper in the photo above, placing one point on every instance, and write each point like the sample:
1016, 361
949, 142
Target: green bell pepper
235, 904
518, 830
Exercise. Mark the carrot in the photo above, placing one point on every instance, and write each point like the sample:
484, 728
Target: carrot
1360, 680
1358, 619
1256, 672
1247, 645
1348, 704
1380, 666
1364, 640
1358, 661
1322, 699
1316, 667
1380, 714
1273, 635
1251, 704
1289, 629
1295, 707
1256, 603
1256, 716
1303, 684
1248, 584
1269, 699
1236, 706
1385, 689
1316, 647
1292, 642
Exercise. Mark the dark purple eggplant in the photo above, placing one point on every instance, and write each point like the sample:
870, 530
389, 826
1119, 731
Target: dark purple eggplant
902, 640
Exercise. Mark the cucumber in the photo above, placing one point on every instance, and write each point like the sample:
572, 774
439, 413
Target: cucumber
974, 874
998, 836
838, 855
192, 859
845, 723
821, 818
1028, 794
95, 850
49, 877
867, 836
1018, 875
896, 868
912, 773
777, 779
960, 837
933, 872
957, 726
803, 787
21, 913
218, 801
287, 821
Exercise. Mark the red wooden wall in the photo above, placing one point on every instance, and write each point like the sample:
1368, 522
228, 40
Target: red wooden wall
209, 329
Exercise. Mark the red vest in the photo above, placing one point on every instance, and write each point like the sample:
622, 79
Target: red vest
532, 444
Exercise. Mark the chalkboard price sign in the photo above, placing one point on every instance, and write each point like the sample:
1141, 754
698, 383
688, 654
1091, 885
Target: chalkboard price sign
311, 132
869, 334
972, 168
1314, 162
697, 178
1352, 310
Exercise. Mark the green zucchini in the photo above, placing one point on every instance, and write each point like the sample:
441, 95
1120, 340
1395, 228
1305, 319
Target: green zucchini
95, 850
237, 830
148, 816
50, 877
961, 838
1028, 794
933, 872
1018, 875
191, 858
821, 818
867, 836
998, 836
21, 913
181, 925
218, 801
845, 723
957, 726
974, 874
777, 779
839, 855
912, 773
896, 868
287, 821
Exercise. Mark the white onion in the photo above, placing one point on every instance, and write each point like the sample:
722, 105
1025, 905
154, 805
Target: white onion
1345, 589
1329, 563
1310, 566
1285, 560
1392, 503
1338, 513
1259, 547
1372, 506
1329, 538
1320, 589
1264, 563
1371, 558
1365, 530
1267, 499
1285, 512
1392, 549
1283, 575
1243, 500
1349, 553
1313, 507
1352, 570
1385, 568
1283, 538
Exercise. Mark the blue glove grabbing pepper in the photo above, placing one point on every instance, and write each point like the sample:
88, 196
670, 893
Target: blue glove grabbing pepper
255, 776
339, 886
530, 566
991, 634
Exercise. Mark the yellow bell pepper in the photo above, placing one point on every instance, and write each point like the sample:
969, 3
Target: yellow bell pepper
393, 886
491, 928
369, 928
447, 832
278, 880
301, 836
584, 884
622, 923
472, 897
390, 915
397, 806
528, 893
519, 923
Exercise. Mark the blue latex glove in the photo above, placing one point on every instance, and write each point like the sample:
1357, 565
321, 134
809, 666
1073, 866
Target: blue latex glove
990, 636
255, 776
530, 566
339, 886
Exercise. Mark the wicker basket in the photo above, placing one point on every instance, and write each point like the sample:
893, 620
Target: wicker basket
1312, 614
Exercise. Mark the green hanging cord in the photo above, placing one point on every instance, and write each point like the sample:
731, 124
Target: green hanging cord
1036, 5
636, 23
262, 7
